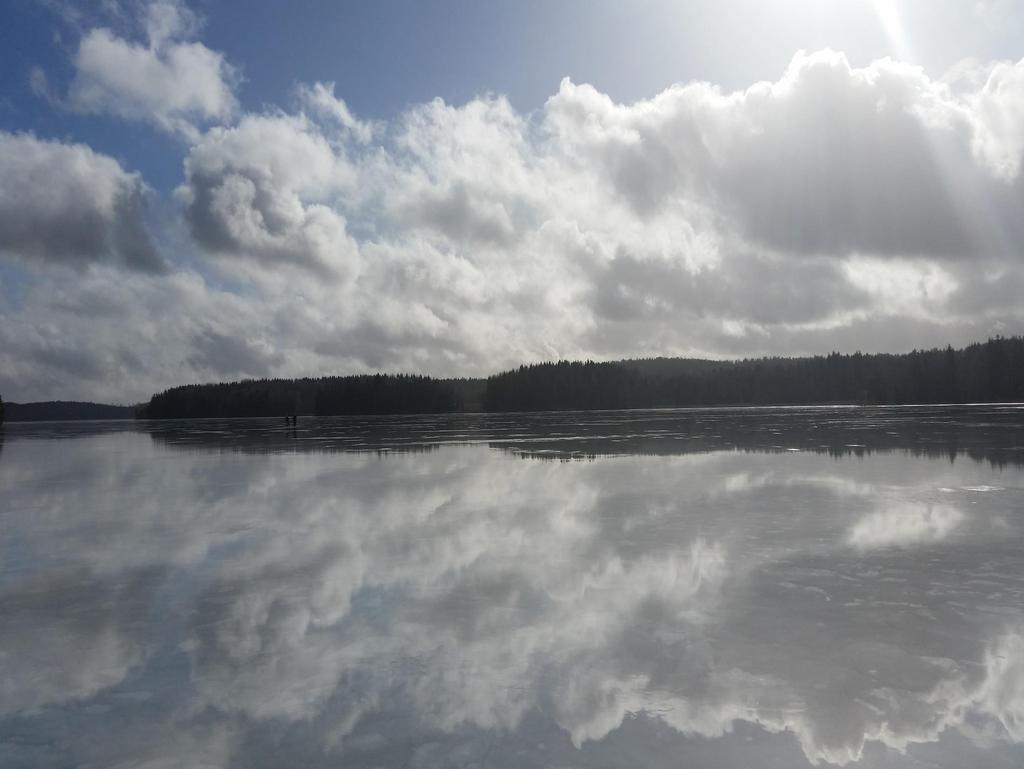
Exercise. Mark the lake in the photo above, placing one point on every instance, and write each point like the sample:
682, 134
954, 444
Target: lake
684, 588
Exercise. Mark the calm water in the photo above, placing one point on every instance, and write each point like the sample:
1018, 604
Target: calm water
721, 588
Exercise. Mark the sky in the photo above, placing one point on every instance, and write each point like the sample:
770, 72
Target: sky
213, 191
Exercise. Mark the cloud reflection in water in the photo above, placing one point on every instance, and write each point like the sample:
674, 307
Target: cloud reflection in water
906, 523
467, 606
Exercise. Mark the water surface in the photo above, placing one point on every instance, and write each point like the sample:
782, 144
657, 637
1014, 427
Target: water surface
698, 588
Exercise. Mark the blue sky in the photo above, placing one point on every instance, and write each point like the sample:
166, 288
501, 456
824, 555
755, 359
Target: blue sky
453, 187
385, 56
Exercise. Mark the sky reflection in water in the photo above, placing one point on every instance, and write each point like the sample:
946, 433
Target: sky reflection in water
723, 589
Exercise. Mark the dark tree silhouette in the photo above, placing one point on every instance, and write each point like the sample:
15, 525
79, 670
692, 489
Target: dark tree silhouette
988, 371
66, 410
352, 395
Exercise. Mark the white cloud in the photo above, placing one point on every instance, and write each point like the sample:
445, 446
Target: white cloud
170, 81
263, 190
827, 160
869, 208
998, 119
320, 98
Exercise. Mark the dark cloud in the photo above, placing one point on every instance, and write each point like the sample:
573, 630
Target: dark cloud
753, 289
65, 204
224, 355
841, 161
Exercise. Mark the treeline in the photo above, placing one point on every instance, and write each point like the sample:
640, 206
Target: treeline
989, 371
324, 396
45, 411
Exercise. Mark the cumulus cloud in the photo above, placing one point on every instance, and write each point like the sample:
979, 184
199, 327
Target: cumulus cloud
837, 207
66, 204
170, 80
144, 330
262, 191
829, 159
998, 119
320, 98
694, 221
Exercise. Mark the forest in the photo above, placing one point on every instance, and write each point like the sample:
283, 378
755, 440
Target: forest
337, 395
988, 371
44, 411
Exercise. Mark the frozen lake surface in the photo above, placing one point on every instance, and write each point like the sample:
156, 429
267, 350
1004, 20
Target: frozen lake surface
687, 588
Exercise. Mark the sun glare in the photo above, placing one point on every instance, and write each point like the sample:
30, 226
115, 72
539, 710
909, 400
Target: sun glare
891, 22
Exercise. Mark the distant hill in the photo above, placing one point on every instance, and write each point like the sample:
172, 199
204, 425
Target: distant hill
64, 410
